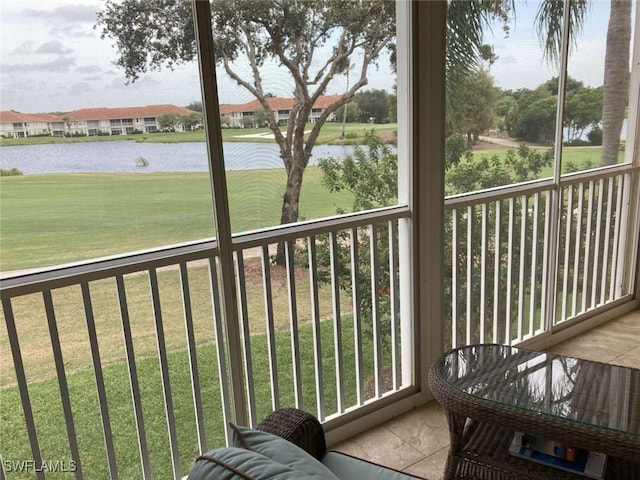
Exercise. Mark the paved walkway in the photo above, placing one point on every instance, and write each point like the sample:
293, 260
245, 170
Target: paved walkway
505, 142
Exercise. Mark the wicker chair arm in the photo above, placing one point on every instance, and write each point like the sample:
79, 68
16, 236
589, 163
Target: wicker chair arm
298, 427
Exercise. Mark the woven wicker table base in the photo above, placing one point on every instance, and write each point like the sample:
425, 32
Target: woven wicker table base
484, 456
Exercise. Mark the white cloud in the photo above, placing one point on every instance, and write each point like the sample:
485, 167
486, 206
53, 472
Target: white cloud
53, 46
61, 64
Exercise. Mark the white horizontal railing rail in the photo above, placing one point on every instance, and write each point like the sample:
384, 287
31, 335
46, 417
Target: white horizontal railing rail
321, 332
497, 256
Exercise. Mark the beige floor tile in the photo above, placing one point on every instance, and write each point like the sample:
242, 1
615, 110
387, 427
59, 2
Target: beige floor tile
629, 359
425, 428
604, 343
381, 446
431, 467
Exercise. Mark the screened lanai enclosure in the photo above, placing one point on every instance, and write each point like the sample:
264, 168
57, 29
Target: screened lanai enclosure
128, 345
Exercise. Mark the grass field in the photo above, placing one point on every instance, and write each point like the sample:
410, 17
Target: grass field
61, 218
331, 133
579, 156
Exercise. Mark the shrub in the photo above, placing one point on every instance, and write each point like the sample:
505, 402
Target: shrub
12, 172
595, 136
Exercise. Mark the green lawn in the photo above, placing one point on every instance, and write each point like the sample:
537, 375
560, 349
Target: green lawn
68, 217
579, 156
331, 133
50, 423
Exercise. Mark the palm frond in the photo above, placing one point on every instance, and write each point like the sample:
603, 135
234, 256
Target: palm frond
549, 25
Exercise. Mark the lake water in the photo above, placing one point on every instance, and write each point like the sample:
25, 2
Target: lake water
121, 156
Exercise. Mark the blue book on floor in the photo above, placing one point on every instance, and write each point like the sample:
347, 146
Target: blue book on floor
547, 452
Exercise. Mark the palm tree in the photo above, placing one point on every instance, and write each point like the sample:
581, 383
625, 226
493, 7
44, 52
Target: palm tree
615, 94
616, 63
467, 20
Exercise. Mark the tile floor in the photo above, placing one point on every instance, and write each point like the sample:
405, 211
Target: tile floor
417, 442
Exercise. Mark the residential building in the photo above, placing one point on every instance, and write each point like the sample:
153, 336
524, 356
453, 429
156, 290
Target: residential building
122, 120
20, 125
234, 114
91, 121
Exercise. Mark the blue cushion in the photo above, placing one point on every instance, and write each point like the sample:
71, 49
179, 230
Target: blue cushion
237, 463
280, 450
346, 466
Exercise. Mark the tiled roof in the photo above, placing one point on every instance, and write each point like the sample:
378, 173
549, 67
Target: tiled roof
276, 103
229, 108
126, 112
326, 100
9, 116
84, 114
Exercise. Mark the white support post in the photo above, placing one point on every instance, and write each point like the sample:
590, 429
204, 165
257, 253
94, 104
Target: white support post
222, 222
406, 171
556, 194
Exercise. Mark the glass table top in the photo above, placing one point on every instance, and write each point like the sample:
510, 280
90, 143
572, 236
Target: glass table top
606, 396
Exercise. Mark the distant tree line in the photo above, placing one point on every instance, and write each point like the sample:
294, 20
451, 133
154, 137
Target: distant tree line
369, 106
170, 121
528, 115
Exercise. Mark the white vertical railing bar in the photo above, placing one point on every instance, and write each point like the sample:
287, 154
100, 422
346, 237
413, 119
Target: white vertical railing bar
293, 323
507, 326
133, 378
271, 333
337, 321
97, 370
357, 319
454, 278
587, 247
394, 293
470, 221
545, 262
246, 337
220, 198
223, 376
62, 381
534, 263
555, 210
596, 249
607, 238
193, 358
317, 333
567, 252
483, 274
524, 204
23, 388
375, 308
578, 249
164, 373
615, 250
496, 271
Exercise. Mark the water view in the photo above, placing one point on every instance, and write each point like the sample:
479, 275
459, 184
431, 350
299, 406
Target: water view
124, 157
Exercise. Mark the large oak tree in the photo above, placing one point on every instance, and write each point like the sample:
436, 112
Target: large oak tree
312, 40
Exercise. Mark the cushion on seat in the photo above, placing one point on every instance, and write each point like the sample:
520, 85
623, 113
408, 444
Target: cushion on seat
346, 466
280, 450
232, 463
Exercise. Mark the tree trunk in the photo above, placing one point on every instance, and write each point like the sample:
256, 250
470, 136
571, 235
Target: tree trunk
615, 94
290, 202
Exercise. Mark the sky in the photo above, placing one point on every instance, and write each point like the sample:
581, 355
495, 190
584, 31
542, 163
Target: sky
52, 59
